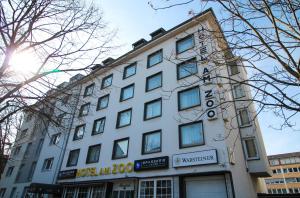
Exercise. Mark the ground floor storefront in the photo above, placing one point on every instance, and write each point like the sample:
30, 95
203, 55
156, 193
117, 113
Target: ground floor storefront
217, 185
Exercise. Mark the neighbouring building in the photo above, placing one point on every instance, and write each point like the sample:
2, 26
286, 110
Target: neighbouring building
163, 120
286, 174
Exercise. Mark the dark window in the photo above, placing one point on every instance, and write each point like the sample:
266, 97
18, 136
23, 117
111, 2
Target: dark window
28, 150
189, 98
39, 147
55, 139
187, 68
120, 149
127, 92
129, 70
251, 149
98, 126
12, 193
60, 118
23, 133
17, 150
19, 173
32, 169
154, 81
48, 164
233, 67
79, 131
244, 117
9, 171
103, 102
151, 142
155, 58
65, 98
107, 81
89, 90
2, 192
153, 109
73, 157
185, 44
84, 109
238, 91
93, 154
191, 134
124, 118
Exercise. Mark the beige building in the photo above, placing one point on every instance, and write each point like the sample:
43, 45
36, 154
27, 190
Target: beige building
286, 174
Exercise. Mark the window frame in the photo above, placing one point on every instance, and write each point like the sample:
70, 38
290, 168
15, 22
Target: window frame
122, 92
183, 39
144, 141
128, 66
234, 90
155, 180
246, 150
180, 135
118, 118
91, 86
149, 102
68, 160
152, 55
9, 171
230, 65
105, 78
151, 76
184, 90
17, 150
98, 102
51, 159
53, 136
184, 63
240, 118
114, 148
76, 130
87, 156
94, 125
81, 109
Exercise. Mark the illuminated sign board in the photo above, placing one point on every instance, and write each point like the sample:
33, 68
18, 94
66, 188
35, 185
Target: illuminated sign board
151, 163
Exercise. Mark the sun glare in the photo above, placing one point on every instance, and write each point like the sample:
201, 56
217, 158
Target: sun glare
24, 63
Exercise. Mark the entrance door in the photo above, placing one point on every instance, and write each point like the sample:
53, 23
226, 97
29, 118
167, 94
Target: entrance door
208, 186
123, 194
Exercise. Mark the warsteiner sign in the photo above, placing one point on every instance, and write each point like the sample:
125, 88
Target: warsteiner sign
195, 158
115, 169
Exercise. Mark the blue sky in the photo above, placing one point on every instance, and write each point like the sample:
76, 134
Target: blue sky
134, 19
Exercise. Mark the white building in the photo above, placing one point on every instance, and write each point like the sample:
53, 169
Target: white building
160, 121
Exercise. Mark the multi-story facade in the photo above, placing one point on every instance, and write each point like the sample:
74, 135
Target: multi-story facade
163, 120
286, 174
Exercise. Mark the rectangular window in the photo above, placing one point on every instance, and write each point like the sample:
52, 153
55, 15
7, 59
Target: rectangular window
9, 171
39, 147
120, 149
55, 139
60, 118
251, 148
83, 192
244, 117
23, 133
70, 192
98, 126
156, 188
153, 109
189, 98
79, 131
2, 192
124, 118
73, 157
12, 193
98, 191
129, 70
19, 172
93, 154
185, 44
238, 91
17, 150
31, 172
191, 134
65, 99
107, 81
151, 142
233, 67
48, 164
187, 68
154, 81
127, 92
27, 151
84, 109
155, 58
89, 90
103, 102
